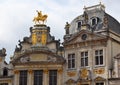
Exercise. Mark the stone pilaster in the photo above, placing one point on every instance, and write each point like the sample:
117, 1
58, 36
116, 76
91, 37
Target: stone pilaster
59, 78
45, 77
30, 79
16, 77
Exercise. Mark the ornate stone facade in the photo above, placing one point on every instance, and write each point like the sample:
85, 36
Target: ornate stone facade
90, 53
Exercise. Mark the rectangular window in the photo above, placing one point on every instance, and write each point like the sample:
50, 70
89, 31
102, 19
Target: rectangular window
99, 57
53, 77
23, 77
38, 77
101, 83
4, 84
84, 58
71, 61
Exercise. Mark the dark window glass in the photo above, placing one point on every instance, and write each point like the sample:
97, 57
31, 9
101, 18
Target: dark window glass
93, 21
23, 78
101, 83
84, 58
4, 84
38, 77
5, 72
71, 60
79, 25
53, 77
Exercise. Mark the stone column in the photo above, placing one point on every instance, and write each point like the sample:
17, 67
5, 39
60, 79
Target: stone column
45, 77
30, 79
59, 78
16, 77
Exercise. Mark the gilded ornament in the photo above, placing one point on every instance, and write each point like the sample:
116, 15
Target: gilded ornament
40, 17
30, 71
60, 71
99, 71
34, 38
16, 71
84, 73
45, 71
71, 74
44, 36
99, 78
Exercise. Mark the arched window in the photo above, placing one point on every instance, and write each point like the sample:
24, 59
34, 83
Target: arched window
5, 72
94, 20
79, 23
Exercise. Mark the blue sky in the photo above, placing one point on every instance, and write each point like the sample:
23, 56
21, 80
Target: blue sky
16, 17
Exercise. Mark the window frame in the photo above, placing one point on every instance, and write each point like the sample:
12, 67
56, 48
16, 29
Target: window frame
53, 76
23, 77
99, 56
79, 26
97, 19
71, 61
83, 58
38, 75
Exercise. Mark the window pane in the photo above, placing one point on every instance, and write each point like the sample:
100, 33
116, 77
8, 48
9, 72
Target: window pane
84, 58
101, 52
53, 77
79, 25
96, 60
82, 61
101, 59
82, 54
38, 77
101, 83
96, 52
23, 78
98, 57
86, 61
71, 60
86, 53
93, 21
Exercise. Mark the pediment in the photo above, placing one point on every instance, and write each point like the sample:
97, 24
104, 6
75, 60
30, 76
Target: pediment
99, 78
70, 81
117, 56
84, 36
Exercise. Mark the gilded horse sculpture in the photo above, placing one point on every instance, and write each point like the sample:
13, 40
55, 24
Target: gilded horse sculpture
40, 17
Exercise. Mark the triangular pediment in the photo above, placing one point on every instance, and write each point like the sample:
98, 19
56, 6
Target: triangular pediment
70, 81
99, 78
84, 36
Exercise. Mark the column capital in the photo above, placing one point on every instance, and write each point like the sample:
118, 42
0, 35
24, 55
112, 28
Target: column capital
45, 71
30, 71
16, 71
60, 70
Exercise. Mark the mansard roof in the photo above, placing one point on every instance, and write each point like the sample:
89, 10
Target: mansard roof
111, 23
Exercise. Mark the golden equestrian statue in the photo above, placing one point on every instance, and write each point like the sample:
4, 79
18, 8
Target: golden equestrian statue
40, 18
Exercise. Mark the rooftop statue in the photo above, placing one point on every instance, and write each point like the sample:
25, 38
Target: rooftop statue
40, 18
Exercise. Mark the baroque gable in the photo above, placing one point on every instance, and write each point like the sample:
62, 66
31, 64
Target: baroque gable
84, 36
39, 55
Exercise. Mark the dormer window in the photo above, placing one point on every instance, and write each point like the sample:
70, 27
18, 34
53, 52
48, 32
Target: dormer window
94, 21
5, 72
79, 23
